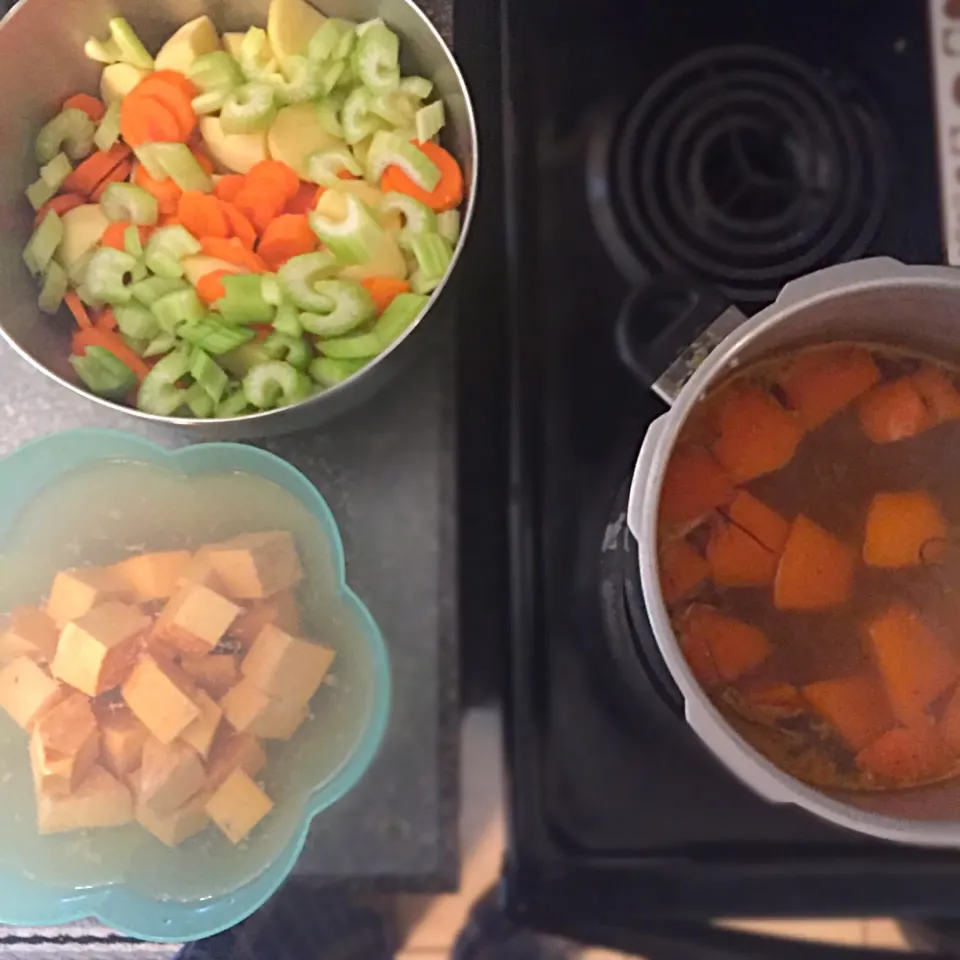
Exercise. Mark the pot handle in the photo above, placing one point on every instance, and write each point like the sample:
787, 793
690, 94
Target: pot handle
689, 318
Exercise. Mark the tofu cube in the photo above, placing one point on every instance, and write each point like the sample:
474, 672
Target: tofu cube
249, 710
233, 751
97, 649
214, 673
122, 740
161, 697
285, 666
76, 592
31, 634
201, 732
99, 801
238, 805
27, 691
199, 572
67, 725
195, 619
58, 774
257, 565
153, 576
170, 775
281, 610
182, 824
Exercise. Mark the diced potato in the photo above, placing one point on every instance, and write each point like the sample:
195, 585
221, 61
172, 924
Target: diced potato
280, 609
236, 152
161, 697
181, 825
285, 666
233, 751
31, 634
290, 25
232, 42
117, 80
201, 732
59, 774
170, 775
197, 37
153, 576
214, 673
27, 691
196, 618
295, 134
238, 805
76, 592
257, 565
123, 737
249, 710
100, 801
97, 649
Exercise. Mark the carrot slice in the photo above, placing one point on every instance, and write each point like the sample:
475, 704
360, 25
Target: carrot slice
202, 215
384, 289
693, 485
174, 78
145, 119
682, 570
820, 383
233, 251
772, 699
59, 205
305, 199
914, 664
87, 175
239, 225
950, 722
446, 195
106, 320
815, 569
757, 435
260, 204
856, 706
90, 105
210, 286
118, 174
166, 191
172, 95
111, 341
700, 660
938, 393
898, 527
78, 310
894, 411
228, 186
279, 178
735, 647
289, 235
746, 542
904, 755
113, 235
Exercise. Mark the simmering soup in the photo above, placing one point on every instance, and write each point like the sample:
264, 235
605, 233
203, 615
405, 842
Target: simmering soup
808, 557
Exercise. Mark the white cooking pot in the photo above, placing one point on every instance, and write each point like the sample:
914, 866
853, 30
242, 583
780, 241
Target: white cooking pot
878, 300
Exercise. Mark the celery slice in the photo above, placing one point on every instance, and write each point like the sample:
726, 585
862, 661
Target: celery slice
159, 394
181, 165
136, 321
243, 301
329, 120
287, 320
137, 346
209, 375
333, 40
333, 75
152, 289
210, 102
417, 87
103, 373
241, 360
147, 155
388, 149
199, 402
376, 57
70, 131
417, 216
215, 72
274, 384
86, 297
357, 117
255, 58
107, 274
38, 193
77, 271
294, 350
302, 80
56, 171
43, 243
351, 305
165, 248
173, 310
300, 275
359, 347
270, 289
132, 243
127, 201
448, 225
355, 236
109, 130
329, 372
401, 312
215, 336
248, 108
160, 344
54, 288
102, 51
232, 405
396, 107
433, 254
429, 121
132, 51
323, 166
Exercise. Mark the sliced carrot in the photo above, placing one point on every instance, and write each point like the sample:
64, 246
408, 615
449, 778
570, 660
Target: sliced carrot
260, 204
202, 215
682, 570
106, 320
172, 94
59, 205
384, 289
261, 331
87, 175
950, 722
815, 569
693, 485
898, 527
446, 195
938, 392
697, 653
111, 341
289, 235
904, 755
757, 435
915, 666
305, 199
169, 220
113, 235
765, 525
78, 310
820, 383
233, 251
210, 286
746, 541
772, 699
735, 647
167, 193
90, 105
277, 175
144, 119
118, 174
174, 78
856, 706
893, 411
239, 225
228, 186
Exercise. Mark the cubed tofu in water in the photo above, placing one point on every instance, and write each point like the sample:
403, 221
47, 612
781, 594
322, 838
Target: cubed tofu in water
161, 697
174, 828
281, 610
286, 667
237, 806
123, 737
170, 775
153, 576
64, 746
257, 565
195, 619
99, 801
233, 751
201, 732
249, 710
31, 634
27, 691
76, 592
97, 649
215, 673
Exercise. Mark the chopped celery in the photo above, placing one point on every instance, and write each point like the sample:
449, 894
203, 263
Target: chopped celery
287, 320
333, 40
43, 243
104, 374
175, 309
357, 117
56, 171
389, 149
159, 394
137, 346
243, 301
86, 297
38, 193
241, 360
160, 344
107, 274
274, 384
215, 72
103, 51
401, 312
448, 225
248, 108
232, 405
70, 131
429, 121
77, 271
214, 336
295, 350
417, 216
255, 59
54, 288
433, 254
323, 166
351, 305
210, 102
332, 75
376, 57
396, 107
417, 87
330, 372
181, 165
209, 375
132, 243
166, 247
132, 51
109, 130
128, 202
327, 115
146, 154
199, 402
136, 321
139, 271
150, 290
300, 275
352, 237
270, 289
301, 80
358, 347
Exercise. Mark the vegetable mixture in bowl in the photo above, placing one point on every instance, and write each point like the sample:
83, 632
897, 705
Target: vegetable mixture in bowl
243, 219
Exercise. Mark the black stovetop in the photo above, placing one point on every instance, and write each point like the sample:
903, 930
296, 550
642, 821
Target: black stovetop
747, 143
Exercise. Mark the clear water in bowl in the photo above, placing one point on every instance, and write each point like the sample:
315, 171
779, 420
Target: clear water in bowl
99, 514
